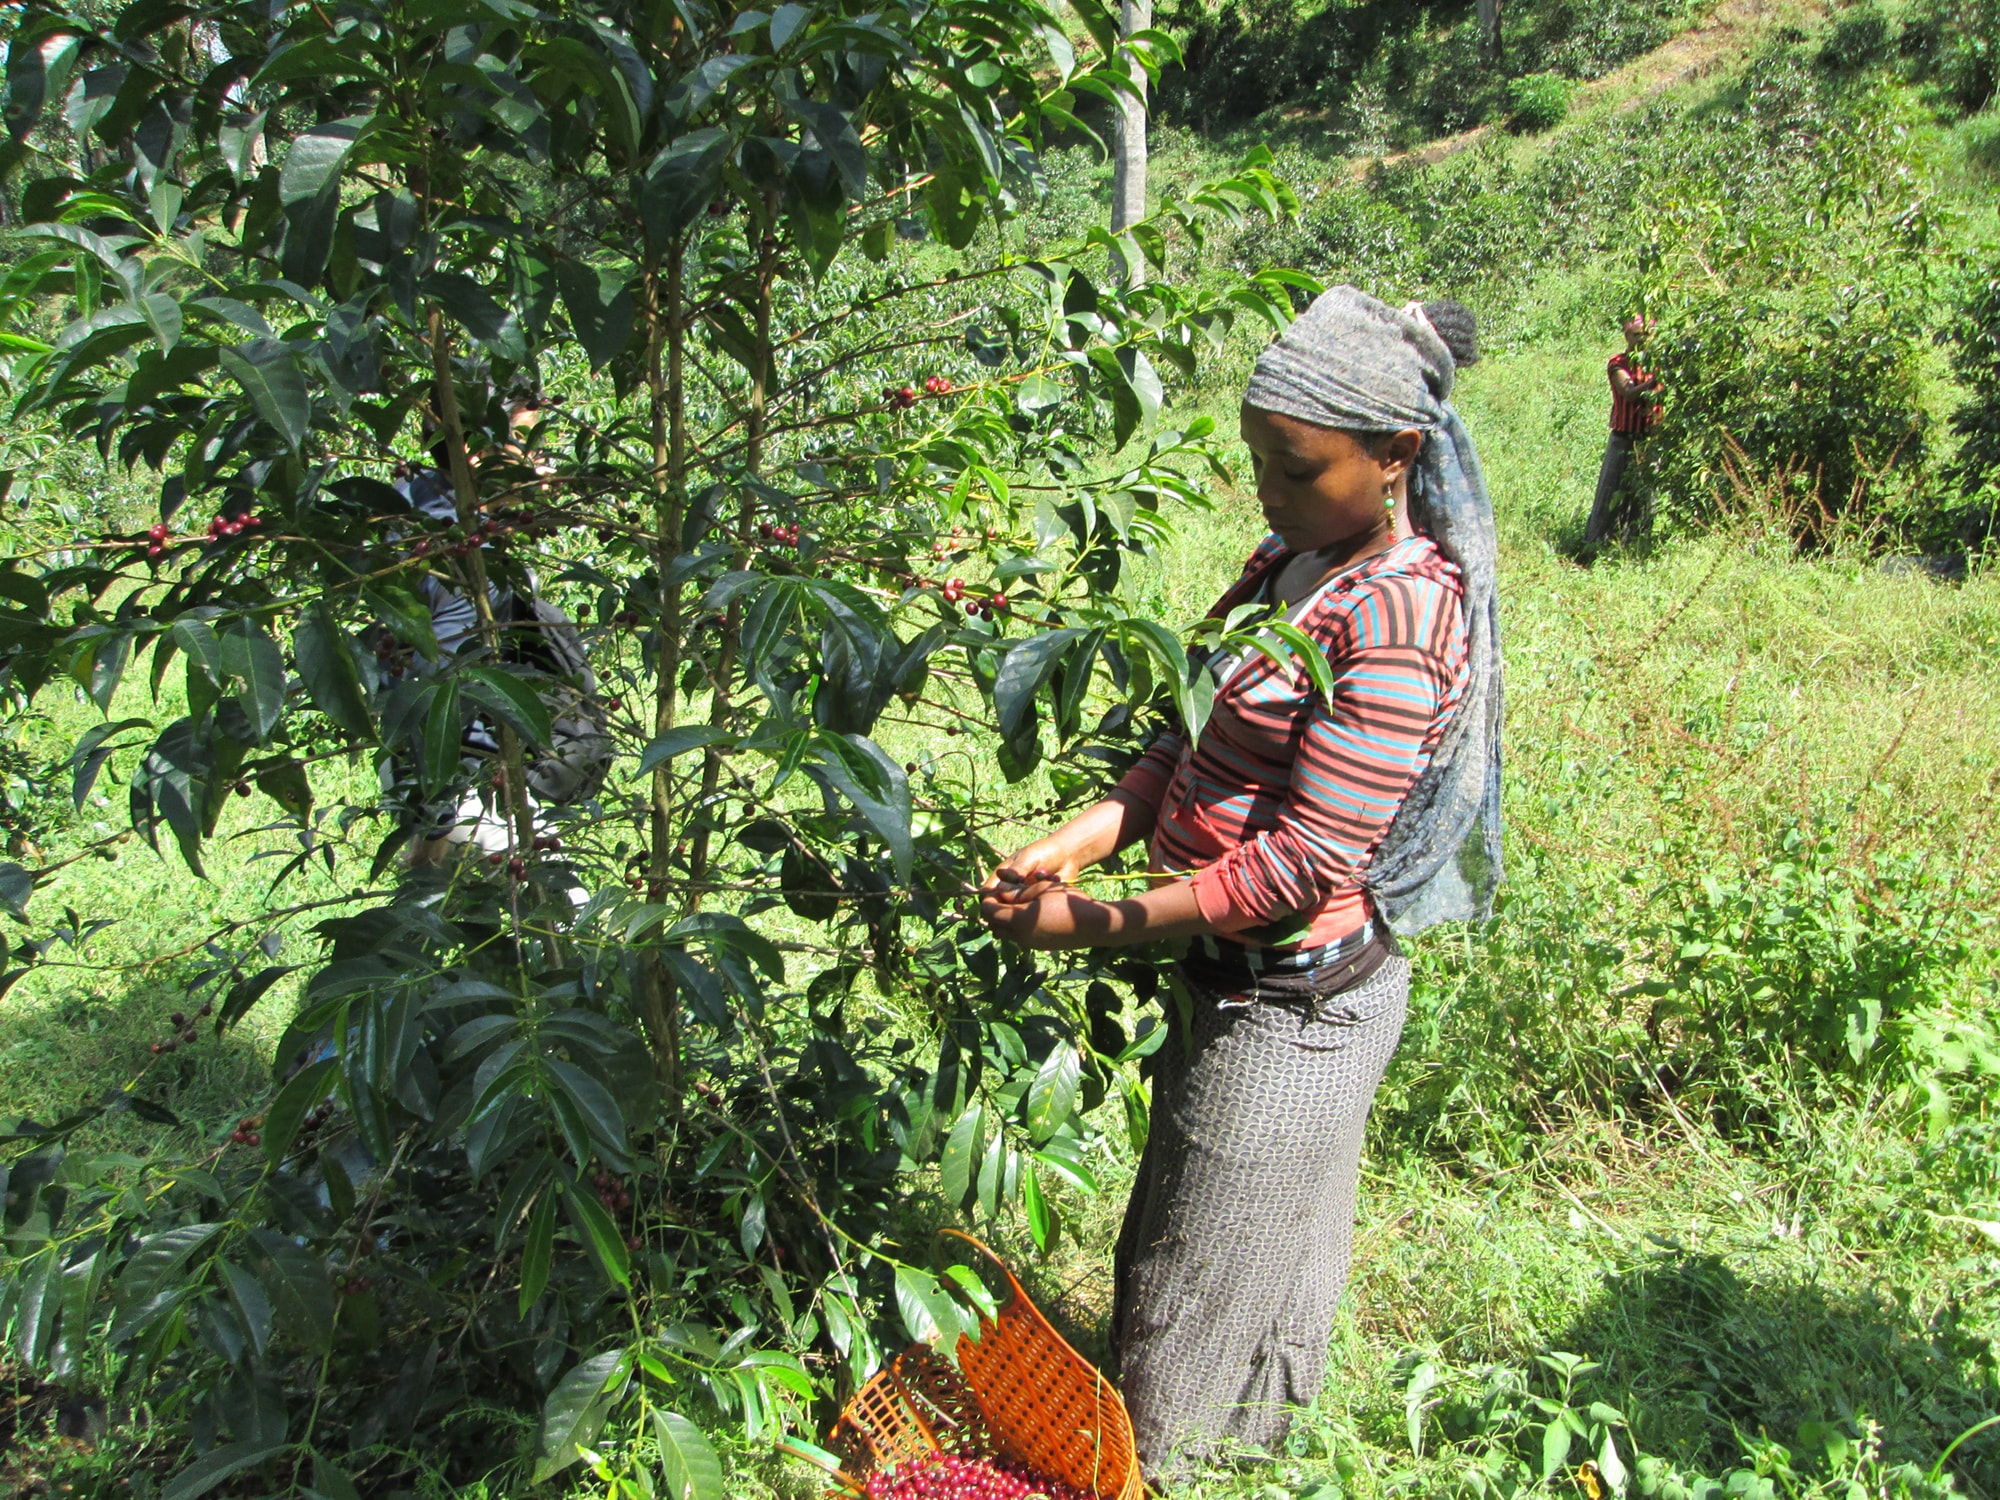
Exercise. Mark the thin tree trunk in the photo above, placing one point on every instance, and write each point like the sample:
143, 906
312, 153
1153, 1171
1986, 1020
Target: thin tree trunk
756, 423
666, 334
520, 818
1489, 32
1128, 180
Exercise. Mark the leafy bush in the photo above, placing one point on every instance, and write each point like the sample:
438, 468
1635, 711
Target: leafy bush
1956, 44
1816, 376
1244, 58
1974, 340
1821, 392
1588, 38
1982, 142
1538, 102
606, 1124
1860, 37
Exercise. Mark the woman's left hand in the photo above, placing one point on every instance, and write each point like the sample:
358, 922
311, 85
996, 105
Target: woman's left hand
1047, 916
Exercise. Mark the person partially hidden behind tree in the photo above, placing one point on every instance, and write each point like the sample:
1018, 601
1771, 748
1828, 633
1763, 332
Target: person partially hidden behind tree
1620, 509
532, 633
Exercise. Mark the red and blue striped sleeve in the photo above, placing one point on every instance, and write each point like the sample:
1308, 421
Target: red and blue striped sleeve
1393, 644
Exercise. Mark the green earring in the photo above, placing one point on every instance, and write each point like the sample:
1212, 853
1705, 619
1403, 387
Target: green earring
1389, 500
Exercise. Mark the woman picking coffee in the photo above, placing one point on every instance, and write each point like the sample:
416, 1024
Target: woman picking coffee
1292, 842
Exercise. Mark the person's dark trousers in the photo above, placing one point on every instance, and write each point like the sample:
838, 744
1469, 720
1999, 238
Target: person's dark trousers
1615, 508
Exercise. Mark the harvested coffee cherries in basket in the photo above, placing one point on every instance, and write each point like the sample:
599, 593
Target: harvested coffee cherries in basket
946, 1476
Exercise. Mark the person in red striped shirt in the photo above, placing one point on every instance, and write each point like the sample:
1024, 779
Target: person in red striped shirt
1635, 411
1269, 833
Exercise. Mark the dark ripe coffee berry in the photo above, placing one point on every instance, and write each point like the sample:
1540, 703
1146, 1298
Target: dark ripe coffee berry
495, 859
206, 1010
951, 731
634, 1243
178, 1018
159, 532
972, 606
764, 530
985, 611
187, 1035
614, 704
420, 546
168, 1045
498, 780
254, 1138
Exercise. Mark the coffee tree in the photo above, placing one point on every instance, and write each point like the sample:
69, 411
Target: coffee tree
606, 1116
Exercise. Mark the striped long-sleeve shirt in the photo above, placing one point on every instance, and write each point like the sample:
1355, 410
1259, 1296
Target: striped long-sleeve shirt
1280, 805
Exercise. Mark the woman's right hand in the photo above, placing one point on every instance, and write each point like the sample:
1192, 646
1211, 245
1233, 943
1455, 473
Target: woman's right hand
1031, 871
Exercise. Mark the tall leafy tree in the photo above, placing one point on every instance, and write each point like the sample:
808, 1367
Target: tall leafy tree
605, 1123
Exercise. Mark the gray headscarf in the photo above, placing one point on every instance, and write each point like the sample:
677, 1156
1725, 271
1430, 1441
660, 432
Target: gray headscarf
1354, 363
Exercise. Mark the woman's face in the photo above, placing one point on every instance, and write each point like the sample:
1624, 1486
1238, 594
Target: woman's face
1318, 486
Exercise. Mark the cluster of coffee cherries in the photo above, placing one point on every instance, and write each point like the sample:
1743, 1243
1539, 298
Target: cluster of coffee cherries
784, 536
611, 1192
184, 1033
159, 536
947, 1476
938, 385
248, 1131
616, 1198
225, 526
517, 867
902, 397
985, 609
489, 529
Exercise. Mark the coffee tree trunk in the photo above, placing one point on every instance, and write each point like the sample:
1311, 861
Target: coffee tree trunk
1490, 46
1128, 181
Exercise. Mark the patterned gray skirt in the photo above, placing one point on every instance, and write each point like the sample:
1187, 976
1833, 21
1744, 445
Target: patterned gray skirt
1235, 1245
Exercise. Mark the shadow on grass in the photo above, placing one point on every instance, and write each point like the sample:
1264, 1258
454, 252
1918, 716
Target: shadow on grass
84, 1045
1696, 1355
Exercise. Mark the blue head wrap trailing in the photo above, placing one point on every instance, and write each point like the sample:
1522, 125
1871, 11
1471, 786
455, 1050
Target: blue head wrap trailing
1357, 364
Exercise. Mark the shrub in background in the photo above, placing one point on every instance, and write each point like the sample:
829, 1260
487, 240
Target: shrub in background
1859, 38
1956, 45
1982, 142
1538, 102
1822, 392
1794, 305
1974, 474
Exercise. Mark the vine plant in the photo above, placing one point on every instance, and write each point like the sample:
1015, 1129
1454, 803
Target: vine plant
612, 1122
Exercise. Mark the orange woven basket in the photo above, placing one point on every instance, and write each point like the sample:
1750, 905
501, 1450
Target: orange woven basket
1019, 1392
